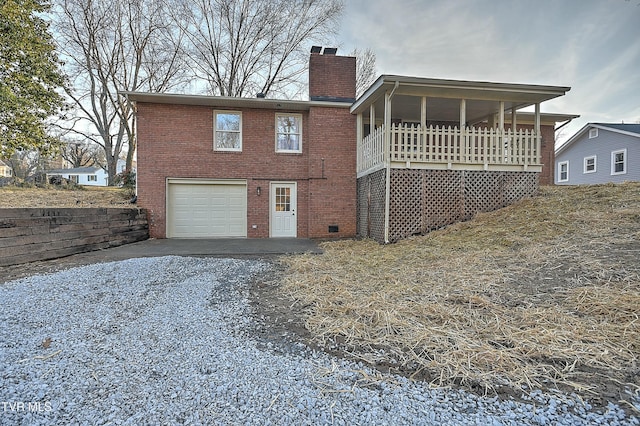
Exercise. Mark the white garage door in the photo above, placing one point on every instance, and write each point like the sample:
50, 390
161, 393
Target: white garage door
206, 209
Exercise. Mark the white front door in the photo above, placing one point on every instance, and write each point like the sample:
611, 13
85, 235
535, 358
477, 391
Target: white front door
283, 209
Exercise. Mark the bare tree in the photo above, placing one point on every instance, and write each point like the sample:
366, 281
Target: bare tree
82, 154
109, 47
244, 47
27, 163
365, 69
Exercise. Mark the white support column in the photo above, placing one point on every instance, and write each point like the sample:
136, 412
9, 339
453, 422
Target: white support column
423, 112
387, 159
501, 116
463, 113
536, 126
372, 118
359, 133
513, 120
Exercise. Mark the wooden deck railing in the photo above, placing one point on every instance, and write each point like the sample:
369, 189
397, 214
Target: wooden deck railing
450, 145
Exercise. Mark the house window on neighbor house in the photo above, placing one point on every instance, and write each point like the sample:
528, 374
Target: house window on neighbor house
228, 131
92, 178
288, 133
74, 178
593, 133
590, 164
619, 162
563, 171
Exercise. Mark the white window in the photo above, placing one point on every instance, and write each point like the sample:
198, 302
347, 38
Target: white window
74, 178
593, 133
590, 164
228, 131
563, 171
288, 133
92, 178
619, 162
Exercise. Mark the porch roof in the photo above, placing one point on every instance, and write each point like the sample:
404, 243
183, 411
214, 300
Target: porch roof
443, 96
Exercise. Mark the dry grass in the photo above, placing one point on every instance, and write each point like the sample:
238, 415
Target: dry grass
544, 293
12, 196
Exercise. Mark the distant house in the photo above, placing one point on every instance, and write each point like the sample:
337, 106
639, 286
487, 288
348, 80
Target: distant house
600, 153
5, 170
90, 176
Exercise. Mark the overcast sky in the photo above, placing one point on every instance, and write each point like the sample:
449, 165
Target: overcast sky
593, 46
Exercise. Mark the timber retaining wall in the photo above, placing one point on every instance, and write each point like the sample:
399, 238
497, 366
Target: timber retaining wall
32, 234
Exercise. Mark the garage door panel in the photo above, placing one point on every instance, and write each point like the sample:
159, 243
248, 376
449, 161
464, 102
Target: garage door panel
207, 210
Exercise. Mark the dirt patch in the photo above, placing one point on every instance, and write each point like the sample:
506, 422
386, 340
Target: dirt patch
539, 295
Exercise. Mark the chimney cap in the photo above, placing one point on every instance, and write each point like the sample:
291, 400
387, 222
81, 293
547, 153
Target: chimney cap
316, 49
330, 50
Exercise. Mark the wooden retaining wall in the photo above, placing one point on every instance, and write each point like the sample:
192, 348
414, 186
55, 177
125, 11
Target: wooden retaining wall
32, 234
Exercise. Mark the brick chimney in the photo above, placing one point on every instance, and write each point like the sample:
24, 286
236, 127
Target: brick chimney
331, 77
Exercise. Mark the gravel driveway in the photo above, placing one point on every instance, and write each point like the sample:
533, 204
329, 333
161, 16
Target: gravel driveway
172, 340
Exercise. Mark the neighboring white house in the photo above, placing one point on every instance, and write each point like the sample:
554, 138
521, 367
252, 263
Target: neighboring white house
90, 176
600, 153
5, 170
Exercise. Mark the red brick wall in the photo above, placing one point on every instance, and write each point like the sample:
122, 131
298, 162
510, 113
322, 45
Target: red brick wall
548, 154
176, 141
332, 200
332, 76
548, 151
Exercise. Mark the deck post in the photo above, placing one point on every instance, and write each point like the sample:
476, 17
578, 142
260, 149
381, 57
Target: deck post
387, 158
359, 132
423, 127
538, 156
372, 118
462, 144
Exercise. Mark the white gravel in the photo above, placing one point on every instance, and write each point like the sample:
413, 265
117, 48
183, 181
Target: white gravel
170, 341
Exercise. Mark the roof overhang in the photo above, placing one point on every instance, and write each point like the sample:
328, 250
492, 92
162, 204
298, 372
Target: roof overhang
515, 95
546, 118
580, 133
229, 102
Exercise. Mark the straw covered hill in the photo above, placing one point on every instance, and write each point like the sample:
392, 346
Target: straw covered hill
77, 196
541, 294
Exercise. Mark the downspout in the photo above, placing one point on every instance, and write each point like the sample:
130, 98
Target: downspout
387, 145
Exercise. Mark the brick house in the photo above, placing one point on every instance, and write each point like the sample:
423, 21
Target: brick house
212, 166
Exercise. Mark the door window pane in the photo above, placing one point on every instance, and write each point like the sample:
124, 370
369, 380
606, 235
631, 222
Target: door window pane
283, 199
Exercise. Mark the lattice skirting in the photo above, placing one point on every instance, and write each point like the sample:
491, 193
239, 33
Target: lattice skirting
371, 194
424, 200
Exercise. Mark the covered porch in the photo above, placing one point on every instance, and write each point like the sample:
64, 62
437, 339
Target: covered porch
434, 152
418, 123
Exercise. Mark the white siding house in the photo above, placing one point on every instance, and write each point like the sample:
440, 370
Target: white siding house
5, 170
600, 153
90, 176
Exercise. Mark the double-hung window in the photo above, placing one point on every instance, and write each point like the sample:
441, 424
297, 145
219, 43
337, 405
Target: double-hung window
289, 133
590, 164
563, 171
619, 162
227, 131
